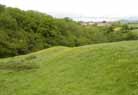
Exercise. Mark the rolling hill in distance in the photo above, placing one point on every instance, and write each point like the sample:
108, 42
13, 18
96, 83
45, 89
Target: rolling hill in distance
99, 19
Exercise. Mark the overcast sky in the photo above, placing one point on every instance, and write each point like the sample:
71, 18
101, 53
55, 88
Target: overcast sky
75, 8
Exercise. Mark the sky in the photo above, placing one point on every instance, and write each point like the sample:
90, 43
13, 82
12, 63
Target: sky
111, 9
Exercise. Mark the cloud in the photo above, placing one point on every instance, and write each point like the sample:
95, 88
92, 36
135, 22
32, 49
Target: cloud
91, 8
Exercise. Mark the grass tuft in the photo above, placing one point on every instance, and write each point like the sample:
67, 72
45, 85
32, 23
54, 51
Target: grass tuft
21, 65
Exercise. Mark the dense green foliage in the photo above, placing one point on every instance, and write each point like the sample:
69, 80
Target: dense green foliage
22, 32
100, 69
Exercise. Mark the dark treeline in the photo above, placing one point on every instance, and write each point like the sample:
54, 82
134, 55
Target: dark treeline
22, 32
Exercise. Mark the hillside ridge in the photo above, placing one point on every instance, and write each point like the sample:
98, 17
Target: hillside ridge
100, 69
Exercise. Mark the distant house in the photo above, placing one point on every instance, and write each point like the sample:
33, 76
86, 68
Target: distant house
103, 23
87, 23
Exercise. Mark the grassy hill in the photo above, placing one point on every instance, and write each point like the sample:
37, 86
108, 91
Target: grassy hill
101, 69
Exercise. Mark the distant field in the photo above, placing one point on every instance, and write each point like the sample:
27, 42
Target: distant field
102, 69
133, 24
135, 30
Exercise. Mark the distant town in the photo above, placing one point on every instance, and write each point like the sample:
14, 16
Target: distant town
100, 23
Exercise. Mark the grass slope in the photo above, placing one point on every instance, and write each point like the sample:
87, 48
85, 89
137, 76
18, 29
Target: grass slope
102, 69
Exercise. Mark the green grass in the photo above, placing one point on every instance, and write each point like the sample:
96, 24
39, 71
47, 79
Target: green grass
133, 24
102, 69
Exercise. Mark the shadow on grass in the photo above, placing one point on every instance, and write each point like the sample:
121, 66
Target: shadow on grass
18, 66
